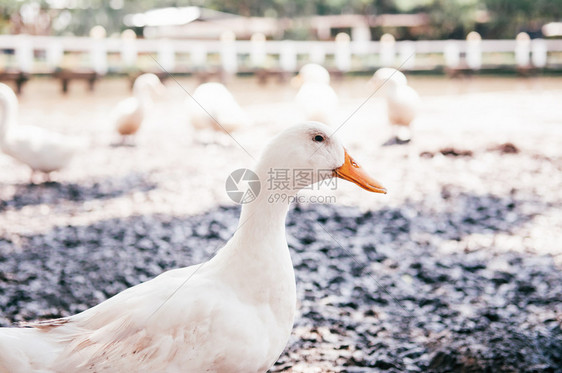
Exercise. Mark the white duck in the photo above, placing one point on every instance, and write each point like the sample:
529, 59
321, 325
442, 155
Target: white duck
212, 106
233, 313
316, 99
402, 100
42, 150
129, 113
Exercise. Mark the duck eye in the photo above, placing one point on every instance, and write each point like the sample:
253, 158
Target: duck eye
318, 138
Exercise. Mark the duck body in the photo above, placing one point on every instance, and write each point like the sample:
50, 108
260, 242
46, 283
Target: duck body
316, 99
402, 101
204, 327
233, 313
211, 324
41, 149
129, 114
317, 102
212, 106
402, 104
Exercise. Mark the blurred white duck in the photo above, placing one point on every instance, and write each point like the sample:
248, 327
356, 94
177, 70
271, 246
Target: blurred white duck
315, 98
233, 313
212, 106
402, 101
129, 113
42, 150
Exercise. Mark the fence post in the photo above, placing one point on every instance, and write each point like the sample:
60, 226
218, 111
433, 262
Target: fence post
24, 53
229, 60
98, 51
129, 48
166, 55
522, 50
474, 50
317, 54
361, 36
387, 52
540, 53
198, 55
343, 52
55, 53
288, 56
452, 54
407, 58
257, 52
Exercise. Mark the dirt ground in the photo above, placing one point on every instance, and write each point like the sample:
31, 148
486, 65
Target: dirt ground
457, 268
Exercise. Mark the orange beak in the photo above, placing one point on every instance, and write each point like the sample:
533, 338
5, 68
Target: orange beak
351, 171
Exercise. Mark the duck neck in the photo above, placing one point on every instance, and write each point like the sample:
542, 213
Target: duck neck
143, 94
262, 221
263, 218
256, 261
389, 88
9, 107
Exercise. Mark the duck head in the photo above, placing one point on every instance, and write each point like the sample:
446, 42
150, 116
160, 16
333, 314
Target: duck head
311, 73
149, 83
309, 150
387, 78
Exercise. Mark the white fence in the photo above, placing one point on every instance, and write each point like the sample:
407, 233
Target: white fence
42, 54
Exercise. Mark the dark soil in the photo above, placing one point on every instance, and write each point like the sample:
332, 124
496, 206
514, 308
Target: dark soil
457, 269
375, 293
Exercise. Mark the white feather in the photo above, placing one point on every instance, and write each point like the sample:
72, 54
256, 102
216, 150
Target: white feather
212, 106
402, 100
317, 102
129, 113
39, 148
316, 99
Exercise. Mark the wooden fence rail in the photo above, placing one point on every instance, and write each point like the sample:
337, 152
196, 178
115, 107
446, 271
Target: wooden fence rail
40, 54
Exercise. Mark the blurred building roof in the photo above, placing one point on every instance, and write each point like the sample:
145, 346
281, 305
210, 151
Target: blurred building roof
401, 20
174, 16
552, 29
198, 23
201, 23
384, 20
323, 25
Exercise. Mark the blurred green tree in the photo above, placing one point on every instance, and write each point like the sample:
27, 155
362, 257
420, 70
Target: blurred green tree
508, 17
448, 18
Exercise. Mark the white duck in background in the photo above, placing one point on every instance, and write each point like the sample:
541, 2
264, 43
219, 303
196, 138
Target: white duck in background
316, 99
42, 150
212, 106
233, 313
129, 113
402, 101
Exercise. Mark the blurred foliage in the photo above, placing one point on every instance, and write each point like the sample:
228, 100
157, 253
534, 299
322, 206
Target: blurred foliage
453, 19
448, 18
521, 15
